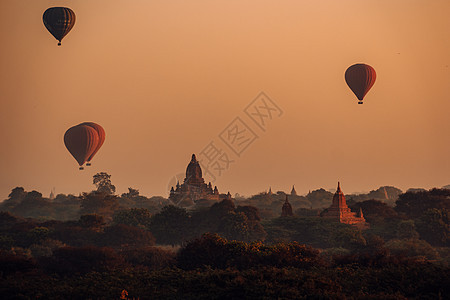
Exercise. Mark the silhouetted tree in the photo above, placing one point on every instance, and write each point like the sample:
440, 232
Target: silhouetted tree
71, 261
122, 235
320, 198
103, 183
12, 264
14, 198
221, 209
138, 217
170, 226
34, 205
234, 226
317, 232
256, 231
412, 248
375, 211
414, 205
151, 257
71, 233
92, 221
213, 251
407, 230
434, 227
99, 203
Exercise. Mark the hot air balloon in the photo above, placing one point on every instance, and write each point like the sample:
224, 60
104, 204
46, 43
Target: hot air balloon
59, 21
360, 78
101, 138
81, 141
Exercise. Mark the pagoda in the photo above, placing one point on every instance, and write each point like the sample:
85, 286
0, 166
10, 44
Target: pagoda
293, 191
340, 212
286, 210
193, 188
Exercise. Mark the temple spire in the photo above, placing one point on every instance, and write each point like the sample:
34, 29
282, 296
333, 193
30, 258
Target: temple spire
286, 210
293, 191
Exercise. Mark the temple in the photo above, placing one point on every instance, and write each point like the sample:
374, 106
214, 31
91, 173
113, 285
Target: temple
340, 212
286, 210
293, 191
194, 187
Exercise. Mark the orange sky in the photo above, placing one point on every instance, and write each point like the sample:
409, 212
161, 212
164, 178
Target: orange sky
165, 78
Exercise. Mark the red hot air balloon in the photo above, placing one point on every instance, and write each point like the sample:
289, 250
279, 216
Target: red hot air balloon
81, 141
59, 21
101, 138
360, 78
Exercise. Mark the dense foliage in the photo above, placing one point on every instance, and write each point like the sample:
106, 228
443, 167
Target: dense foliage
214, 268
99, 244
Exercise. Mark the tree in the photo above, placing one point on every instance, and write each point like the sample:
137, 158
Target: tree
320, 198
407, 230
103, 183
221, 209
412, 247
34, 205
170, 226
256, 231
374, 211
434, 227
150, 257
14, 198
70, 261
138, 217
317, 232
122, 235
92, 221
234, 226
413, 205
100, 203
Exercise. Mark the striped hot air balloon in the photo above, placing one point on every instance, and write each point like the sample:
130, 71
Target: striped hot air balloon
360, 78
59, 21
101, 138
81, 141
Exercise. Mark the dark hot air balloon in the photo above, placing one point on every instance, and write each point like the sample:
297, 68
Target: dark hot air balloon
59, 21
81, 141
101, 138
360, 78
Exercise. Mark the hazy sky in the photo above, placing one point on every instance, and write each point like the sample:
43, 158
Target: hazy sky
166, 77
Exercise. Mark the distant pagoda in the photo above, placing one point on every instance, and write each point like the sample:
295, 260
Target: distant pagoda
194, 187
293, 191
286, 210
340, 212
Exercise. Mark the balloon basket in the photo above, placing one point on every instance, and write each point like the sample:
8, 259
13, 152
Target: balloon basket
81, 168
360, 102
88, 164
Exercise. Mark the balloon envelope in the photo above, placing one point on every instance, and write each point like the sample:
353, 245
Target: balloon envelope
81, 141
59, 21
360, 78
101, 137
